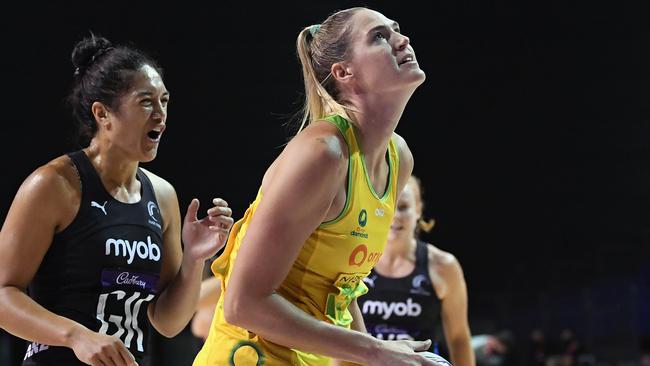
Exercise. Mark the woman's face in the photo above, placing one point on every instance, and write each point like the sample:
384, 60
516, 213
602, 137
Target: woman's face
139, 121
381, 58
406, 215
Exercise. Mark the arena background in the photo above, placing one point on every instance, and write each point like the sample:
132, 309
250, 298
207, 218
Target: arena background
531, 136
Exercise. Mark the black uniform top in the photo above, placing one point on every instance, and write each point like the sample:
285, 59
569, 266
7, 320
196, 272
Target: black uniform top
102, 270
402, 308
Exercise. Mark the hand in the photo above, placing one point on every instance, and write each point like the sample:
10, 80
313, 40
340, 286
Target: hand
402, 352
203, 238
97, 349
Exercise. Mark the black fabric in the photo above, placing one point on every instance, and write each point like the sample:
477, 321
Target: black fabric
102, 270
402, 308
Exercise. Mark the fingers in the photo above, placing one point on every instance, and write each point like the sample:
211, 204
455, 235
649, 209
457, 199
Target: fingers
114, 359
222, 222
220, 216
126, 356
102, 359
111, 356
418, 346
219, 202
220, 210
96, 361
192, 211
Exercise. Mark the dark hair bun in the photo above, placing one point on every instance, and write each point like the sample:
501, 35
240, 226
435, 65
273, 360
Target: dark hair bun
86, 50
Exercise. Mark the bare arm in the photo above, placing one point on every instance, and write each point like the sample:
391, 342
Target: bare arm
50, 198
210, 292
296, 199
357, 324
208, 298
454, 312
182, 269
357, 317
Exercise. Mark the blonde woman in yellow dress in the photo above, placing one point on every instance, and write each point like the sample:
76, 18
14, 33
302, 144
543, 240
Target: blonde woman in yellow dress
294, 264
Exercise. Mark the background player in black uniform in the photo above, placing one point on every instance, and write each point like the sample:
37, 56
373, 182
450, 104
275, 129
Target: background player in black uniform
98, 239
414, 284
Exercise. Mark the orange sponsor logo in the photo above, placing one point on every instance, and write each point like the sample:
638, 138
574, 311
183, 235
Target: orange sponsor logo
360, 255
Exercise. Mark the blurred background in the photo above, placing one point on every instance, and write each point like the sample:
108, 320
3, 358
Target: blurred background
531, 137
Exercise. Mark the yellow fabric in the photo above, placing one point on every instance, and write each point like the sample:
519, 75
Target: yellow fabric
327, 275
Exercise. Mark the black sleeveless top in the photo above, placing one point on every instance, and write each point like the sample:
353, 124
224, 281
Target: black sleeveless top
402, 308
102, 270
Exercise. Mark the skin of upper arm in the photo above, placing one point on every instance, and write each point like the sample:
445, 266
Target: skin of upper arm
295, 200
45, 203
208, 298
454, 299
210, 292
170, 212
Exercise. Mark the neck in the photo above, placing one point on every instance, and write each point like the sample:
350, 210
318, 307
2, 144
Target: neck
400, 248
376, 118
114, 168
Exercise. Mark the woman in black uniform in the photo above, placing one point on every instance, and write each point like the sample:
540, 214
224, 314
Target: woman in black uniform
98, 239
415, 283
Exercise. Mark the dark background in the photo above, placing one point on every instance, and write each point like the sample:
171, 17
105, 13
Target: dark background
530, 135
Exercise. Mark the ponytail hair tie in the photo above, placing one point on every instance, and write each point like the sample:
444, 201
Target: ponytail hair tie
314, 29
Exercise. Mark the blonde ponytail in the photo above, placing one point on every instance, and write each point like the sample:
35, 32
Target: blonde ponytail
319, 47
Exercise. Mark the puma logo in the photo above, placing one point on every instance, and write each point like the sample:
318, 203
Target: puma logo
101, 207
370, 280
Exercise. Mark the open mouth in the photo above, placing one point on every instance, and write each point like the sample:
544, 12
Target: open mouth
406, 60
154, 135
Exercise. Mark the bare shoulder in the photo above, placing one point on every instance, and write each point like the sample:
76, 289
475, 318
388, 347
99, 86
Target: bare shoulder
324, 139
320, 147
443, 263
54, 188
445, 271
164, 189
58, 178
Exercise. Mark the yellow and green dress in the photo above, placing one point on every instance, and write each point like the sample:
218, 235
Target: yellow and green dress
328, 273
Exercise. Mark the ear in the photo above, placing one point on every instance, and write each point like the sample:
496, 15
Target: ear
100, 112
342, 72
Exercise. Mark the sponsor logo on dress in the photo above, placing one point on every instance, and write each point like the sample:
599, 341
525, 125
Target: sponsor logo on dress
119, 277
389, 333
370, 281
144, 250
35, 348
418, 285
388, 309
359, 231
152, 208
360, 255
101, 207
